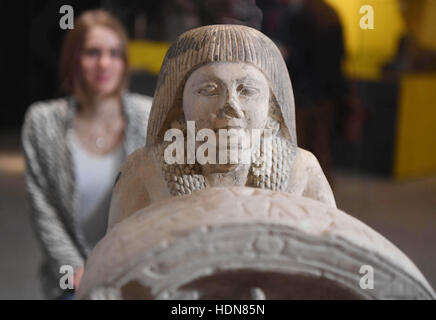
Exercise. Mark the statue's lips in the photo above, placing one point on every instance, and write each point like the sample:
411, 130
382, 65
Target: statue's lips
232, 132
228, 128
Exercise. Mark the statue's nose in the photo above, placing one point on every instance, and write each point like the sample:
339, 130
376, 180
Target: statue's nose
231, 109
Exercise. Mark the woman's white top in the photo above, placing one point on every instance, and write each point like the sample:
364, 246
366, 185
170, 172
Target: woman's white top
95, 177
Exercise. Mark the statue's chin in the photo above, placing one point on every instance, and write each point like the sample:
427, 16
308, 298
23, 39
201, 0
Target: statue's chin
221, 168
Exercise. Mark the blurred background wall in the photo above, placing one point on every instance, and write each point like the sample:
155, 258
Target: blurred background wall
386, 177
398, 59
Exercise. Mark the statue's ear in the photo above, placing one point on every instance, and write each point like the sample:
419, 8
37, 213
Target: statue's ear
175, 119
275, 120
273, 125
179, 124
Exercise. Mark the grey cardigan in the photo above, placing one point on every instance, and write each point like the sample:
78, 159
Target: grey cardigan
50, 178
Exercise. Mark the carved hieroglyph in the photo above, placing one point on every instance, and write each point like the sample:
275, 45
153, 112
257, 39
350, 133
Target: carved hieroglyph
244, 243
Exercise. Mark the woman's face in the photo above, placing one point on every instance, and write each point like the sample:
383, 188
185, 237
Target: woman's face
101, 62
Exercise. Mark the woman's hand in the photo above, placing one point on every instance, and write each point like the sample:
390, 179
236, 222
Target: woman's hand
78, 273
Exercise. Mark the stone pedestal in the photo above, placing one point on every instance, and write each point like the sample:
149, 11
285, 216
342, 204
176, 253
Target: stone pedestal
246, 243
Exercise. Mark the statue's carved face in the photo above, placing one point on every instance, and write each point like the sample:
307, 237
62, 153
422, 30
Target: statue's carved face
227, 95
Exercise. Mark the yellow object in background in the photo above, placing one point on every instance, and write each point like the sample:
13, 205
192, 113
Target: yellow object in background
416, 137
368, 50
420, 18
147, 55
427, 25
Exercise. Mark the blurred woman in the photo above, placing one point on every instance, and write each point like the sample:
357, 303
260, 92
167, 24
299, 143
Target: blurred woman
74, 146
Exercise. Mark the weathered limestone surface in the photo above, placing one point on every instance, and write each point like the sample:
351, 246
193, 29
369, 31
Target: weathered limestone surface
142, 182
246, 243
267, 229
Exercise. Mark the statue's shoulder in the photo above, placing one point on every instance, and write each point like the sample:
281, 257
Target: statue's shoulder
139, 183
307, 179
306, 158
305, 165
133, 161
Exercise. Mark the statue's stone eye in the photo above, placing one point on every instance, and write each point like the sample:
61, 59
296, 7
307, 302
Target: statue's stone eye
209, 90
247, 91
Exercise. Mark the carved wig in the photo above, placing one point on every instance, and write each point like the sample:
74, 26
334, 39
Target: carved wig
224, 43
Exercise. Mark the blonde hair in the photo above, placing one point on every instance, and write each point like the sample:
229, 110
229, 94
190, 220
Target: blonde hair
73, 46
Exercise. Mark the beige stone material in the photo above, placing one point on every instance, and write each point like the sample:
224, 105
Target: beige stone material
245, 243
142, 182
266, 229
221, 77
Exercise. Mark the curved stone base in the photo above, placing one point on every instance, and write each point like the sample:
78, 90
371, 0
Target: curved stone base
244, 243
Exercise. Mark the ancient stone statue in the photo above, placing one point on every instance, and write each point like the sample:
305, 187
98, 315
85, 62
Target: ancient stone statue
221, 77
188, 228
